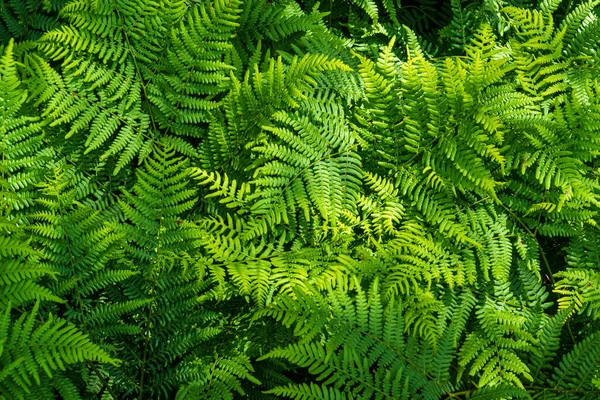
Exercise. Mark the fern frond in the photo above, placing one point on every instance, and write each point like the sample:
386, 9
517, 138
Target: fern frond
43, 348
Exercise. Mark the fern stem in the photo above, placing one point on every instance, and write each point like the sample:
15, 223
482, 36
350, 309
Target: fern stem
212, 373
147, 340
145, 355
534, 237
105, 384
457, 394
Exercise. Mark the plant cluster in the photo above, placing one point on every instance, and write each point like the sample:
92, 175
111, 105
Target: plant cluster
353, 199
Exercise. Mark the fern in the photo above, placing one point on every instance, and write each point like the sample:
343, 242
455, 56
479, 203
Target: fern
154, 300
30, 350
22, 138
28, 20
364, 351
299, 199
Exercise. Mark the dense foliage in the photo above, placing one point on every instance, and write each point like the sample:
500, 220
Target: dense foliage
353, 199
